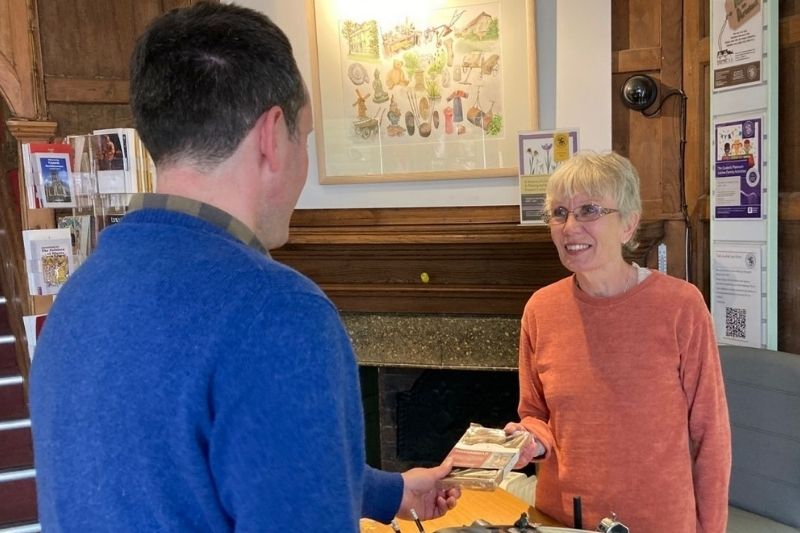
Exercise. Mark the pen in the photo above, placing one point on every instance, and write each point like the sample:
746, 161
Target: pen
416, 521
395, 527
577, 512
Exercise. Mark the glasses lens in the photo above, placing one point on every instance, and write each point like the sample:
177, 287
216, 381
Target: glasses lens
588, 212
559, 215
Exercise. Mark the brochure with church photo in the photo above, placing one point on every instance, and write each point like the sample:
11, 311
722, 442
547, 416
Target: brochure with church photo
33, 188
55, 180
482, 457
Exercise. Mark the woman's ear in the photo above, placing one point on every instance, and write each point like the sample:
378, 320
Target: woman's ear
630, 225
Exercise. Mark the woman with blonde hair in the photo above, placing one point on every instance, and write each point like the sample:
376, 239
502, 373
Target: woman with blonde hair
620, 380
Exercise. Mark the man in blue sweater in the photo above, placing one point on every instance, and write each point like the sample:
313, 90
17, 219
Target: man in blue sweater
184, 380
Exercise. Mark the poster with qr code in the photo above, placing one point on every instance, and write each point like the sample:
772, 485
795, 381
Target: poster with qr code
738, 294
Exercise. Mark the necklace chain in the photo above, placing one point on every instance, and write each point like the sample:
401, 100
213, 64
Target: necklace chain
628, 281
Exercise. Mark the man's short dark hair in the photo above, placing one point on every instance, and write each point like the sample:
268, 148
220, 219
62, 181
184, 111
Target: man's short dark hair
202, 75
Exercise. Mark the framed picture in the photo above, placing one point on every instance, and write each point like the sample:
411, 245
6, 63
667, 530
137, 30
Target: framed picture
421, 90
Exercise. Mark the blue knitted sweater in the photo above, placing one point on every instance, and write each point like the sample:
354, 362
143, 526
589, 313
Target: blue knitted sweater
187, 382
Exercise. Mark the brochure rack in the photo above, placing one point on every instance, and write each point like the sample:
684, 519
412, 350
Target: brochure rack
87, 181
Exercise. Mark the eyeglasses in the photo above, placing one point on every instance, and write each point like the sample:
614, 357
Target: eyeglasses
583, 213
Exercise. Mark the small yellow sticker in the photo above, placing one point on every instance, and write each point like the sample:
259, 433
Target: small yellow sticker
561, 147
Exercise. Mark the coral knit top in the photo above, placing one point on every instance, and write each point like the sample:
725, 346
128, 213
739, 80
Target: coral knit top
626, 394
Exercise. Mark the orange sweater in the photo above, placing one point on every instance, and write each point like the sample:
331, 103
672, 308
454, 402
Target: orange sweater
626, 394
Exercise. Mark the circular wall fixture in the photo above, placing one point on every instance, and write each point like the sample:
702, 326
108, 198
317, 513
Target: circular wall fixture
639, 92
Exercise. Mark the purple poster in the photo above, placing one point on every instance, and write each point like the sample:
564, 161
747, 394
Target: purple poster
737, 170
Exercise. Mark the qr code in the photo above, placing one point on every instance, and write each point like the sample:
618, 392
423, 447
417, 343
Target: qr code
735, 322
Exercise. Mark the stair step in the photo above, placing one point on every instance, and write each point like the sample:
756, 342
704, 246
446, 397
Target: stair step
18, 498
8, 356
12, 398
16, 446
33, 527
5, 323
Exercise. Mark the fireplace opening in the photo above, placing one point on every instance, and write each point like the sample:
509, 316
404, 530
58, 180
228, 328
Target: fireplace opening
423, 412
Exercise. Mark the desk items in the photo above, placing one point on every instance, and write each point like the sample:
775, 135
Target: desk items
607, 525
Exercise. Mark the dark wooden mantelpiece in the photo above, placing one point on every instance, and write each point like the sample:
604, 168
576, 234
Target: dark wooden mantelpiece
478, 260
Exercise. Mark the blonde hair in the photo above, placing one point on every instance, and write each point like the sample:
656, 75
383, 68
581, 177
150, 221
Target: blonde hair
606, 174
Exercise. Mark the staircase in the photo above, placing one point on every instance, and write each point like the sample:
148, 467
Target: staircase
17, 476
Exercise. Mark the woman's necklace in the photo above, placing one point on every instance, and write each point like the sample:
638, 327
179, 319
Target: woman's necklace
631, 274
628, 279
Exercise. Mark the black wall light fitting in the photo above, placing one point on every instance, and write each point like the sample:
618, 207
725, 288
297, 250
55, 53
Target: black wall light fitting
640, 92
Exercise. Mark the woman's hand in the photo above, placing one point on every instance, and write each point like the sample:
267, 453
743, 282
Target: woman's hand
532, 448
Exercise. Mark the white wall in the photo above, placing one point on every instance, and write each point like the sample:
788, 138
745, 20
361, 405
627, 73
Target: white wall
574, 68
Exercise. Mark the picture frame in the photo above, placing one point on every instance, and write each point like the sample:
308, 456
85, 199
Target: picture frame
402, 91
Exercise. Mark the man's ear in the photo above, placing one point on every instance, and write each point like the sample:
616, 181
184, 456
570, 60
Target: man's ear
272, 132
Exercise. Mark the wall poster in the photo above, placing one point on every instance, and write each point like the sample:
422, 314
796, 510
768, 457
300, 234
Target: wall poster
737, 42
421, 90
738, 293
540, 153
738, 165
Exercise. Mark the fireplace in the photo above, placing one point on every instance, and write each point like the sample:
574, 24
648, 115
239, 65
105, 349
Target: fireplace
424, 412
426, 377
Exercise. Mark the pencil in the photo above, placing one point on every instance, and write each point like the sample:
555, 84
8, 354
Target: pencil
416, 521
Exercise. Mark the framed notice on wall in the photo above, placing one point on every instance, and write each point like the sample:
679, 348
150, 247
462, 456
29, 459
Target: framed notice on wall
540, 154
739, 283
738, 187
421, 91
738, 43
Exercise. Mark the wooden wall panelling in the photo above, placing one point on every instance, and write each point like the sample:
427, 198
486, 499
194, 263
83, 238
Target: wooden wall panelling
74, 118
20, 72
671, 136
789, 98
695, 76
696, 87
789, 179
478, 259
648, 41
789, 285
87, 44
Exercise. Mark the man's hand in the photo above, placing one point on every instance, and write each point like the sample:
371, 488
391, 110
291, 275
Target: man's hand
421, 492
